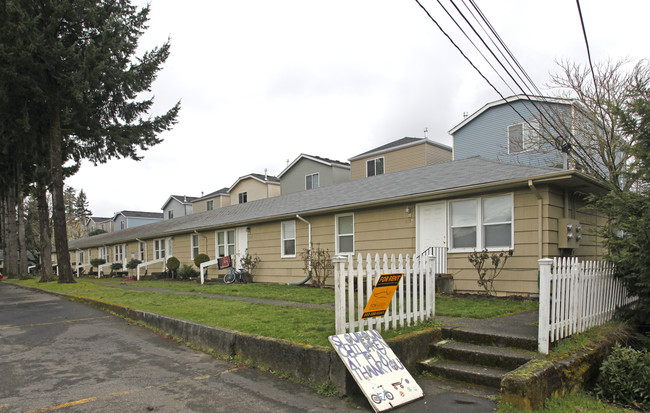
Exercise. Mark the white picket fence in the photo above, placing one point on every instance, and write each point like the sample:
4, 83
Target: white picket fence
413, 301
575, 296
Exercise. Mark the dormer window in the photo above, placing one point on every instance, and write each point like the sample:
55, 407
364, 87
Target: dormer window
243, 197
375, 167
311, 181
520, 136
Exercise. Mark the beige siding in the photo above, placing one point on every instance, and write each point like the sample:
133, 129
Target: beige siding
402, 159
219, 201
254, 189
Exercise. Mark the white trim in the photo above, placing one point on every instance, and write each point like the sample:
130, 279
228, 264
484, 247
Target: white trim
398, 147
338, 164
227, 242
383, 166
312, 180
192, 246
283, 239
241, 178
337, 235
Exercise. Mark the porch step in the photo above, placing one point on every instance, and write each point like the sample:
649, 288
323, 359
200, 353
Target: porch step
483, 375
502, 357
489, 338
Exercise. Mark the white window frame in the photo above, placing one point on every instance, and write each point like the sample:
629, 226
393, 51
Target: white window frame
338, 235
244, 196
170, 214
528, 130
142, 251
105, 254
195, 244
309, 181
80, 257
159, 248
374, 167
118, 252
480, 225
228, 244
209, 205
284, 237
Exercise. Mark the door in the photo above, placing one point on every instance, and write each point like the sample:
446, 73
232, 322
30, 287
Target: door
431, 225
241, 241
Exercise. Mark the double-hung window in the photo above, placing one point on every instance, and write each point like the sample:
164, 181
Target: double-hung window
118, 253
209, 206
311, 181
104, 254
375, 167
288, 239
159, 249
345, 234
141, 251
243, 197
195, 245
480, 223
225, 243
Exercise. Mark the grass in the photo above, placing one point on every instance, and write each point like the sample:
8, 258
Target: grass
587, 339
580, 402
310, 326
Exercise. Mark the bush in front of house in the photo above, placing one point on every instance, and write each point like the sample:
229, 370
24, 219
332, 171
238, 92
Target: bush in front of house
96, 262
116, 266
200, 259
187, 271
625, 378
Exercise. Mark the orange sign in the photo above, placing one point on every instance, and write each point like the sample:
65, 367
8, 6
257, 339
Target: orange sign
382, 295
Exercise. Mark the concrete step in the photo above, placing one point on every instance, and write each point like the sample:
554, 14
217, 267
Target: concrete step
486, 376
501, 357
489, 338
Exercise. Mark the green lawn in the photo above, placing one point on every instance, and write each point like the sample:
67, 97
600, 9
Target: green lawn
574, 403
304, 325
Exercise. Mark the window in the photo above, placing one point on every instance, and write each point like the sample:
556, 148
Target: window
345, 234
225, 243
375, 167
121, 224
243, 197
521, 135
118, 253
170, 214
158, 249
141, 249
311, 181
481, 223
209, 206
80, 258
104, 254
288, 239
195, 245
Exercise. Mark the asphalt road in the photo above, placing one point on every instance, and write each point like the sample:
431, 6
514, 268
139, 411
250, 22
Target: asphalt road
58, 355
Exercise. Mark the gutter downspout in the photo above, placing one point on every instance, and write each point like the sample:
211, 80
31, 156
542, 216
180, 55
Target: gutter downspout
309, 243
540, 227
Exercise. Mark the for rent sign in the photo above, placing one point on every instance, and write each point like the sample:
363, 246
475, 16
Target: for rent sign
379, 373
382, 295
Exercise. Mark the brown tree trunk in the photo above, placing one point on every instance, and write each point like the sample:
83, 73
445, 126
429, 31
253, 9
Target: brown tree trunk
58, 204
45, 241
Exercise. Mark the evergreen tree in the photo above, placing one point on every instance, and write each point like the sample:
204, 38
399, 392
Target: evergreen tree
81, 211
76, 59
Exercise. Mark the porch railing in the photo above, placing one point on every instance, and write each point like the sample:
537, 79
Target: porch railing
575, 296
147, 264
413, 301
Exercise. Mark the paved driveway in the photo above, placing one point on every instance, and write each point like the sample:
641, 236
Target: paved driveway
57, 354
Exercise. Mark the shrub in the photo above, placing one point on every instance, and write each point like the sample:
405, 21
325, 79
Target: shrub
486, 276
321, 264
625, 378
173, 263
116, 266
200, 259
187, 271
249, 263
133, 264
96, 262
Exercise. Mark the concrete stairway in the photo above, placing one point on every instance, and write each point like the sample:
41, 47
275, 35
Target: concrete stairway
482, 351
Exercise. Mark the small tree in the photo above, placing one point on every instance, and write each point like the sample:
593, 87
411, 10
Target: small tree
172, 264
200, 259
116, 266
96, 262
133, 264
249, 263
318, 264
486, 276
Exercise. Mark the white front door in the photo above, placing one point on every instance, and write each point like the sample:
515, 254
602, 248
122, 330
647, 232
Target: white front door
431, 225
241, 241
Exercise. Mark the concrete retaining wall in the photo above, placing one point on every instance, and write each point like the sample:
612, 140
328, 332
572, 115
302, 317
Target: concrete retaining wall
313, 363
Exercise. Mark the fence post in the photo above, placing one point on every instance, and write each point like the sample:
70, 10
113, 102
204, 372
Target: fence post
339, 292
544, 304
431, 285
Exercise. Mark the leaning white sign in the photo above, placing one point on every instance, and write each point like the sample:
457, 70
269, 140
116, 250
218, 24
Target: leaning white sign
379, 373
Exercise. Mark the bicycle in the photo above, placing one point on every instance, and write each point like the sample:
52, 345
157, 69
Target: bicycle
234, 275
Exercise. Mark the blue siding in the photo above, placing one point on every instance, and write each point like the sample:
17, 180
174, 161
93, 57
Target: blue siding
487, 135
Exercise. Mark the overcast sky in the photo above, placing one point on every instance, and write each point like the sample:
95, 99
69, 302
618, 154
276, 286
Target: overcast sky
263, 81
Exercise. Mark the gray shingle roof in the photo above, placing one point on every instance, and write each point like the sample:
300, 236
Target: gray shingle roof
425, 180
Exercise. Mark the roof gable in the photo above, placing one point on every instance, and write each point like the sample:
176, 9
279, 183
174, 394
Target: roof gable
318, 159
398, 144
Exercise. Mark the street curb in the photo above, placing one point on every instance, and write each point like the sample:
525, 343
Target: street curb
312, 363
531, 384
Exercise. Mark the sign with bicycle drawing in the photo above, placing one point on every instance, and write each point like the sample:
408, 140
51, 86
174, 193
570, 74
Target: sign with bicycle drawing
379, 373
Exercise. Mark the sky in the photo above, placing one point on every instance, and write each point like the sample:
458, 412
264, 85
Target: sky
261, 82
